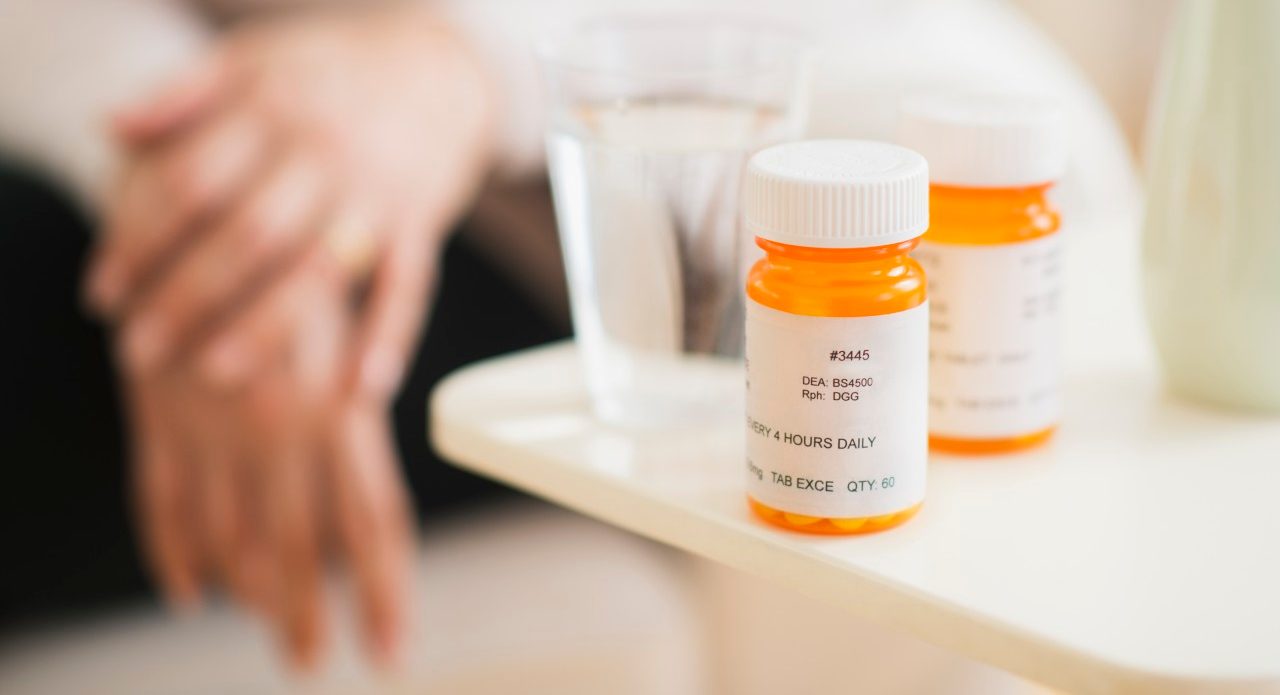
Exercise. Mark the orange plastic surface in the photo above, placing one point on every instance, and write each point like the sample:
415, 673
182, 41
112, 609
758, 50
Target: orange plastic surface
836, 282
959, 215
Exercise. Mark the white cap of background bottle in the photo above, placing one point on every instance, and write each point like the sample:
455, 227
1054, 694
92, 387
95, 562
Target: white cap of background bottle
986, 140
836, 194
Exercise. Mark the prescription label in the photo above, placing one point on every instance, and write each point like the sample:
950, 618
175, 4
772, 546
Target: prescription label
836, 411
994, 337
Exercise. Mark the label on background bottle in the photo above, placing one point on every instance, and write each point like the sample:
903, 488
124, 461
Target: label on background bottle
836, 411
994, 337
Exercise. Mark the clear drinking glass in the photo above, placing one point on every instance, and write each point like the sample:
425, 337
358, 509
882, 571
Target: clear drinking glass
652, 119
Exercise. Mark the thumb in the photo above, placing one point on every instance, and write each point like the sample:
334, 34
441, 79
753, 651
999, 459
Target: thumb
184, 98
395, 311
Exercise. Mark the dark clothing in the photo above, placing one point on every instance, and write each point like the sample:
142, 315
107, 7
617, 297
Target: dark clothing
64, 517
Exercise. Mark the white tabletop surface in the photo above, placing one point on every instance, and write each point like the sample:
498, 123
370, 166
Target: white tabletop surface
1138, 552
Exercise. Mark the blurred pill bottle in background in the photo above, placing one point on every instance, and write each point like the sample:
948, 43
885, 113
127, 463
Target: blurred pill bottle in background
993, 257
837, 336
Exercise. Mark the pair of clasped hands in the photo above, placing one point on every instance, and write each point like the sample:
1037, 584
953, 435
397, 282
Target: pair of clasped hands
269, 252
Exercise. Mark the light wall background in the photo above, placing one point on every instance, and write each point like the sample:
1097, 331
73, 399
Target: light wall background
1116, 43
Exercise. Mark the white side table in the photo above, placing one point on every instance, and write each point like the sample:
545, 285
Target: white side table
1138, 552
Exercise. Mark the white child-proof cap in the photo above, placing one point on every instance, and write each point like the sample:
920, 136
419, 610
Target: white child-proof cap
986, 140
836, 194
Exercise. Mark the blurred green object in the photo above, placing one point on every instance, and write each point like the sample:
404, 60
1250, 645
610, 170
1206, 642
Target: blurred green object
1211, 237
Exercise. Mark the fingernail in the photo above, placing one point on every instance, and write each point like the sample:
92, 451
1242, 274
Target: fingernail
304, 652
380, 373
186, 606
226, 363
252, 577
387, 646
106, 286
183, 600
145, 342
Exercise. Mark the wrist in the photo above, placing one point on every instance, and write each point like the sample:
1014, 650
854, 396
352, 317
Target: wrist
451, 57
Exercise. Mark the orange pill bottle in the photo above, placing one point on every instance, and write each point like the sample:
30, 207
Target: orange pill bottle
993, 256
837, 336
